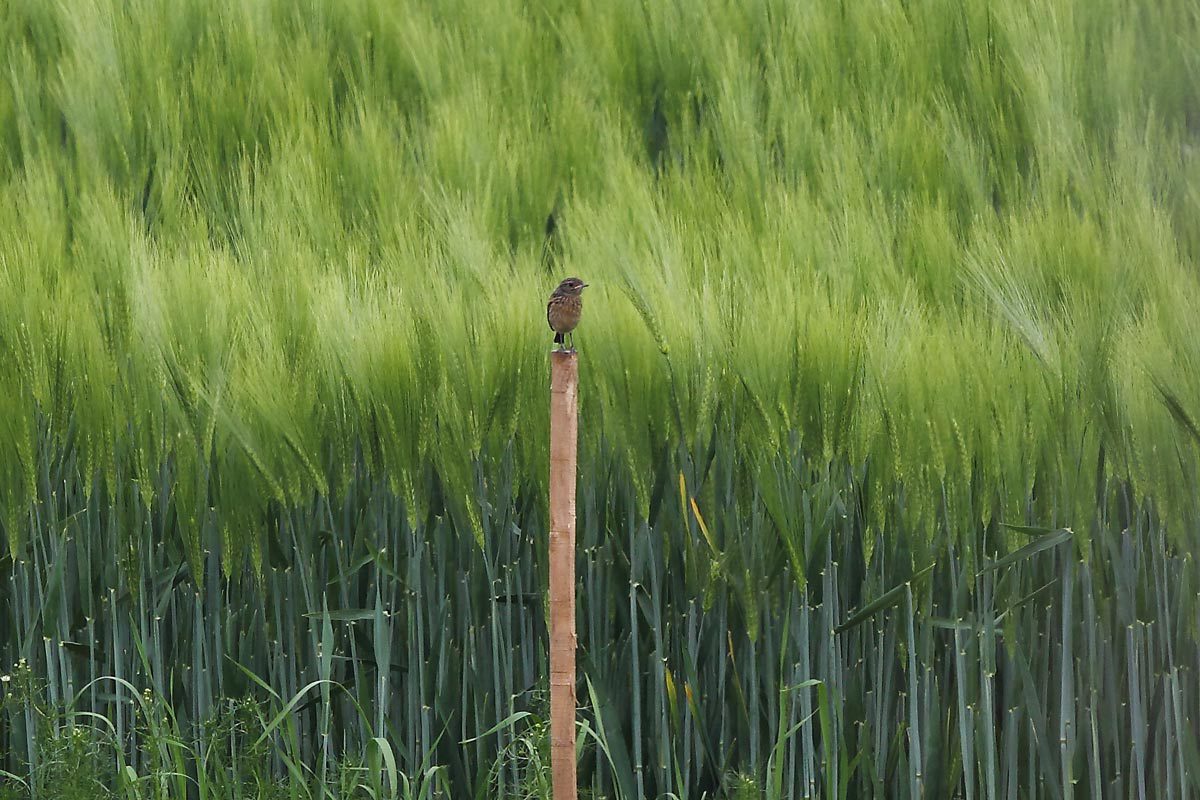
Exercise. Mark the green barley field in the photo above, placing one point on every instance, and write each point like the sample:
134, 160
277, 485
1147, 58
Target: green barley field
889, 478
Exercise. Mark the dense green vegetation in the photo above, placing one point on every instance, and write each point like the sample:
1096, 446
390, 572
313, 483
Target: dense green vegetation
872, 284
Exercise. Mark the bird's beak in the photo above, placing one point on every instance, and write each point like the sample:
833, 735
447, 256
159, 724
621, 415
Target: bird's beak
585, 285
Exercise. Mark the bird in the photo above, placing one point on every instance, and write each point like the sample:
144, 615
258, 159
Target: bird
564, 308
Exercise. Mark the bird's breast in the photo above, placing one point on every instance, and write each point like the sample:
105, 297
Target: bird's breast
563, 313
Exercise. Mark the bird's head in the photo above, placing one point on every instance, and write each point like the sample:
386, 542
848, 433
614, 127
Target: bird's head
571, 287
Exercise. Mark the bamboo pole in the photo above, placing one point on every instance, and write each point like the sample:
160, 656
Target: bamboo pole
564, 426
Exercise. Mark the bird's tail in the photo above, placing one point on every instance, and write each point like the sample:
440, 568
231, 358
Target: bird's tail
558, 338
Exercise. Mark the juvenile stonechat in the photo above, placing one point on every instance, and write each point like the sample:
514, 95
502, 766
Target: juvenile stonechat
564, 309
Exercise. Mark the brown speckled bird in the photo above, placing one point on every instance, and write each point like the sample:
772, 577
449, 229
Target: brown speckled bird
564, 308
